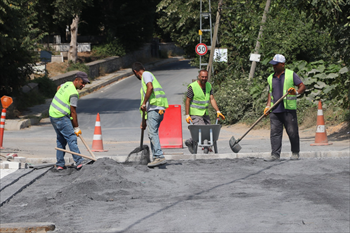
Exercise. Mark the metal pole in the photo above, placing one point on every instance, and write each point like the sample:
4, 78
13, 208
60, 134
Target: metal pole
213, 42
257, 46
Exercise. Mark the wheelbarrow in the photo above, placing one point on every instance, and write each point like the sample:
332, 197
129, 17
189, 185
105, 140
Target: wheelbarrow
205, 136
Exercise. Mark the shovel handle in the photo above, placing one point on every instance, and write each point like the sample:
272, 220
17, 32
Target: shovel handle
86, 145
256, 122
142, 130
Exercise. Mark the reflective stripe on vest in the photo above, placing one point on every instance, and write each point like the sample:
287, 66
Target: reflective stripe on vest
200, 103
60, 105
290, 102
157, 98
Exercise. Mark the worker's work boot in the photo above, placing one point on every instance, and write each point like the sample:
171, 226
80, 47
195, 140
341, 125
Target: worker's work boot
157, 162
189, 145
295, 156
272, 158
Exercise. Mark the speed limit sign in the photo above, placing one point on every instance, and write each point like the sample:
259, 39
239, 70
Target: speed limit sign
201, 49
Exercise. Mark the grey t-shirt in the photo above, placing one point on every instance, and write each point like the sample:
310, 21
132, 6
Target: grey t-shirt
148, 77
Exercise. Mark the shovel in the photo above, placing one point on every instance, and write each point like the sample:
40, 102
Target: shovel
145, 159
235, 147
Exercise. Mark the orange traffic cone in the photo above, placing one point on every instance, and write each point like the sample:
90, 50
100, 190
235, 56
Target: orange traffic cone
97, 145
321, 135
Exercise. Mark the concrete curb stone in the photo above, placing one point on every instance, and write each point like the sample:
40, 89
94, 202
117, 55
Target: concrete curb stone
284, 156
27, 227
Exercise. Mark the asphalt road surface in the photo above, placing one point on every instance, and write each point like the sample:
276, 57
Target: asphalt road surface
223, 195
238, 195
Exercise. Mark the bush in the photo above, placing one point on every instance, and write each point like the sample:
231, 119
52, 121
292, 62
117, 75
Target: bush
112, 48
78, 66
46, 86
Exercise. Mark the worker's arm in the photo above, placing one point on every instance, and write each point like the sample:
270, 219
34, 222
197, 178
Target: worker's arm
73, 114
187, 107
268, 104
213, 103
215, 106
187, 110
148, 94
301, 88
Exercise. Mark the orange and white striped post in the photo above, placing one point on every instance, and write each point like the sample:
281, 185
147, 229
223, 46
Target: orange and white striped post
2, 126
97, 144
6, 101
321, 135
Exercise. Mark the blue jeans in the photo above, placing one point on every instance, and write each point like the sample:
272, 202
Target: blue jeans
153, 122
65, 134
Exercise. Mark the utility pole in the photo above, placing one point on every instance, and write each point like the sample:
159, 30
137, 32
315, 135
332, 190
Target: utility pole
257, 46
206, 16
213, 42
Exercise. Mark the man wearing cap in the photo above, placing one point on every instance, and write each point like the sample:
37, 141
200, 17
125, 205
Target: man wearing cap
284, 114
199, 95
63, 117
153, 105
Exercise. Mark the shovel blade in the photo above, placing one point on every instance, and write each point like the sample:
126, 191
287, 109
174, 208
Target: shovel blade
235, 147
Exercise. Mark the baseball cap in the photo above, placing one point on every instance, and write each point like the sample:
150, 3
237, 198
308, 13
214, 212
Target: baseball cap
278, 58
83, 76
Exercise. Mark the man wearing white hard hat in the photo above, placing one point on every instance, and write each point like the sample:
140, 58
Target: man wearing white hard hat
285, 113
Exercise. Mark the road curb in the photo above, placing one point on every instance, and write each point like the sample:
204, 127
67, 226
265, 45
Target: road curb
27, 227
169, 156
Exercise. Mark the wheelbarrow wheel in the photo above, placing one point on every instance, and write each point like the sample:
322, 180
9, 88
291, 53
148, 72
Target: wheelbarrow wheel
206, 149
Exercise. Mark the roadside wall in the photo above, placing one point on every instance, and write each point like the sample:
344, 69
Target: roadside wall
107, 65
111, 64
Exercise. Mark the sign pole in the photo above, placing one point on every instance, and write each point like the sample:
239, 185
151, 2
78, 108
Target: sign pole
212, 49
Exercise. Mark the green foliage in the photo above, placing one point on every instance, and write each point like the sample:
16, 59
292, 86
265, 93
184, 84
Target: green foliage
17, 39
131, 21
47, 88
313, 36
26, 100
78, 66
327, 82
112, 48
180, 18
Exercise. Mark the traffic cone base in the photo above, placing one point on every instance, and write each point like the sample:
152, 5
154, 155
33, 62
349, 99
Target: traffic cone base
97, 144
321, 135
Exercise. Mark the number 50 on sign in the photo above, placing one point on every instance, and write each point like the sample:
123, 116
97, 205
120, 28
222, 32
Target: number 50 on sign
201, 49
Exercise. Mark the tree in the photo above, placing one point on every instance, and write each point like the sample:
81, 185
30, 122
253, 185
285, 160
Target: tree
18, 38
70, 10
129, 21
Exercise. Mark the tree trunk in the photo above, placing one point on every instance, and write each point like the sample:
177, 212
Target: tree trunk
72, 54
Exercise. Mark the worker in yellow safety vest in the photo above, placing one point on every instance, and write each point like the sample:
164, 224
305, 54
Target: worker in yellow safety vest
285, 113
199, 95
63, 117
153, 105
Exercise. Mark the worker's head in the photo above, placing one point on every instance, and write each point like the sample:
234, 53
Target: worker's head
81, 79
138, 69
278, 63
203, 77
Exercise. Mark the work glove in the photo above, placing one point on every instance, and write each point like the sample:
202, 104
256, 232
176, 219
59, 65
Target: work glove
77, 131
292, 91
267, 110
219, 114
188, 119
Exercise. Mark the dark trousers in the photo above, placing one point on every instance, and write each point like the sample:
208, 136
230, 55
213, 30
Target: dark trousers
290, 122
